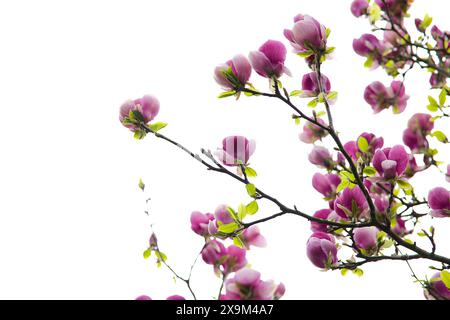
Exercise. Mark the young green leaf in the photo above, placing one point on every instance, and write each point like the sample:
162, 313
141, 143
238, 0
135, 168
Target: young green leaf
155, 127
252, 207
141, 184
363, 144
251, 189
147, 253
440, 136
295, 93
442, 97
445, 277
250, 172
370, 171
228, 228
226, 94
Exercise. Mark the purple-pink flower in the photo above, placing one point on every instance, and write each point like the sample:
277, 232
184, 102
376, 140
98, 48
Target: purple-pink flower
359, 7
366, 239
391, 162
447, 175
247, 285
437, 290
310, 84
236, 150
371, 47
307, 34
147, 107
352, 204
234, 74
225, 260
419, 126
380, 97
176, 297
321, 250
439, 202
374, 142
321, 214
268, 61
321, 157
143, 298
326, 184
252, 237
200, 222
223, 215
312, 132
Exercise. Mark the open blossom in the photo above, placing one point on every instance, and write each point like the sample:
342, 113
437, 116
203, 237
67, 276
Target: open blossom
143, 298
437, 290
307, 34
247, 285
366, 239
321, 157
223, 215
439, 202
380, 97
419, 126
235, 73
269, 60
310, 85
236, 150
326, 184
227, 260
321, 250
359, 7
371, 47
400, 228
200, 222
252, 237
381, 202
147, 106
321, 214
312, 132
374, 142
421, 122
391, 162
351, 203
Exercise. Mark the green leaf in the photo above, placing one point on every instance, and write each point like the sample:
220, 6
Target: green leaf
344, 184
321, 97
305, 54
141, 184
445, 277
313, 103
147, 253
250, 172
442, 97
295, 93
433, 102
228, 228
363, 144
421, 234
330, 50
374, 13
390, 64
251, 189
426, 22
332, 95
440, 136
327, 32
160, 255
237, 241
320, 114
369, 62
358, 272
297, 121
252, 207
370, 171
226, 94
432, 107
242, 212
139, 135
405, 185
155, 127
344, 271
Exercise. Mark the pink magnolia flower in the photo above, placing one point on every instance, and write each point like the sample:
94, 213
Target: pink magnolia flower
352, 149
147, 107
374, 142
200, 222
234, 74
153, 241
359, 7
439, 202
366, 239
307, 34
247, 285
380, 97
421, 122
321, 157
310, 85
381, 202
223, 215
419, 126
412, 168
252, 237
175, 297
447, 176
400, 228
236, 150
326, 184
437, 290
352, 204
321, 250
143, 298
321, 214
415, 141
369, 46
312, 132
269, 60
391, 162
225, 260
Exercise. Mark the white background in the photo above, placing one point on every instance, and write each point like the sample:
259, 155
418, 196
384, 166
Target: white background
71, 214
